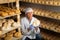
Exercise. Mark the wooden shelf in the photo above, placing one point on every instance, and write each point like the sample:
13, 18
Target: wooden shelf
8, 12
48, 35
6, 1
50, 25
7, 16
44, 13
8, 30
44, 2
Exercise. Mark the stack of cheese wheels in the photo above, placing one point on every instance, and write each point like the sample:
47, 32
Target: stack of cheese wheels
50, 25
7, 24
45, 13
6, 11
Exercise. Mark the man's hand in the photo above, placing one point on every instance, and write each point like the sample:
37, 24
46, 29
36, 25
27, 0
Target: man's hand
36, 28
28, 29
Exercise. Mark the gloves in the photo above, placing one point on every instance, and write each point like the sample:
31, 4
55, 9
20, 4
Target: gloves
31, 27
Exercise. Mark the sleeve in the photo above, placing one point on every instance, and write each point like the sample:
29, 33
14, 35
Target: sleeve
23, 30
38, 31
22, 27
37, 25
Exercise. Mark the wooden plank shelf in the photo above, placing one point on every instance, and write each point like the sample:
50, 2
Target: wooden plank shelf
44, 13
6, 1
48, 35
44, 2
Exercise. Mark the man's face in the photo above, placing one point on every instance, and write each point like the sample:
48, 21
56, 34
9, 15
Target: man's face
29, 15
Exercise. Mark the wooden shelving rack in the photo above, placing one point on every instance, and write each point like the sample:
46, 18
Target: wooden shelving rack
50, 20
7, 31
44, 2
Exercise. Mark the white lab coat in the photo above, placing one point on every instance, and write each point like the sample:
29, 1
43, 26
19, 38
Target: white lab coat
25, 24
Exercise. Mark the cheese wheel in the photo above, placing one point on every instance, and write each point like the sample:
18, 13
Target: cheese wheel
18, 35
17, 11
55, 3
11, 13
3, 14
0, 24
14, 24
10, 34
35, 1
13, 31
51, 3
43, 2
26, 0
4, 20
5, 25
0, 33
3, 36
36, 23
47, 2
10, 21
8, 38
32, 1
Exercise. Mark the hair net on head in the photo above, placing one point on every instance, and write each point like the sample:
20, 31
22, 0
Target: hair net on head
28, 10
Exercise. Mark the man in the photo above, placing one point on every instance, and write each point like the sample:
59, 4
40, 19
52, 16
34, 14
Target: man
30, 26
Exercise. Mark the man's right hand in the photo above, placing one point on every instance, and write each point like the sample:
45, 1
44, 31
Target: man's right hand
28, 29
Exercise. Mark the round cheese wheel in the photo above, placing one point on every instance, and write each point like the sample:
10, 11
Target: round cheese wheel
11, 13
8, 38
3, 36
5, 25
0, 33
17, 11
4, 14
10, 34
36, 23
17, 34
14, 24
13, 31
10, 21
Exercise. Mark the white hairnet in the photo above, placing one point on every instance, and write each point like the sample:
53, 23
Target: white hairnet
28, 10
